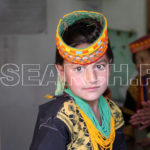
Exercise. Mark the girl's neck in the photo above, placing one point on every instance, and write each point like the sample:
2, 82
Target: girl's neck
93, 105
95, 109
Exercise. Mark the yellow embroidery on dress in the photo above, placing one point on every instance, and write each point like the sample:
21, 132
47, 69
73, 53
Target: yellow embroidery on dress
127, 111
71, 116
116, 113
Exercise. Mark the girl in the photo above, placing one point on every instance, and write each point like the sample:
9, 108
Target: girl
138, 93
80, 118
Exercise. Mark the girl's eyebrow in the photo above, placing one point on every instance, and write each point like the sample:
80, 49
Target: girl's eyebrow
75, 65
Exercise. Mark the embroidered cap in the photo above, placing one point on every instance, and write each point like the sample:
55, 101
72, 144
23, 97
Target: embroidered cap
88, 54
140, 44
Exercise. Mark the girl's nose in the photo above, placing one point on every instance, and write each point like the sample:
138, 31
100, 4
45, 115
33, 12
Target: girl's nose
91, 76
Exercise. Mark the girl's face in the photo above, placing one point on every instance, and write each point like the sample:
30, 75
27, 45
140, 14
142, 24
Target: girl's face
142, 60
86, 81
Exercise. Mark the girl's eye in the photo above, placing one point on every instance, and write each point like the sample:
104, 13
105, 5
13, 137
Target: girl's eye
101, 67
78, 68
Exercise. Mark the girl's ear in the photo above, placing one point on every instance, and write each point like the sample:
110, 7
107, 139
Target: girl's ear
61, 72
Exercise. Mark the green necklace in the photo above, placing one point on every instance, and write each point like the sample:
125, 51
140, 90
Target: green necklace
105, 112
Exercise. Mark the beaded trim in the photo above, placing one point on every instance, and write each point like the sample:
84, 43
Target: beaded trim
86, 55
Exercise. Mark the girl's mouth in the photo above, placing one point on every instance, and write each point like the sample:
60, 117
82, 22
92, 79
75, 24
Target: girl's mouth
91, 89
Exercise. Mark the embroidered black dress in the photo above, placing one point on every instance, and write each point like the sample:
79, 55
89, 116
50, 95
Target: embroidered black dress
60, 126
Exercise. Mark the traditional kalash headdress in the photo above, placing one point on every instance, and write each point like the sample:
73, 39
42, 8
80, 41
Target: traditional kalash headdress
85, 56
140, 44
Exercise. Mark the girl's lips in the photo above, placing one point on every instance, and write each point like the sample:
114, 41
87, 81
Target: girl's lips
91, 88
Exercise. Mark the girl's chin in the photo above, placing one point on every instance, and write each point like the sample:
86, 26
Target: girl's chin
90, 98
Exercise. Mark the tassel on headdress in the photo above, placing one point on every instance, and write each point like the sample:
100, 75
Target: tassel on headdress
59, 86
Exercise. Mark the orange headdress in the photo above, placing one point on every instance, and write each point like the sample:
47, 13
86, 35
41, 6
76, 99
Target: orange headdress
140, 44
86, 55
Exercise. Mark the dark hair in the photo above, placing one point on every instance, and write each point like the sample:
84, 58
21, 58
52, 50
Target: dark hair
86, 30
134, 56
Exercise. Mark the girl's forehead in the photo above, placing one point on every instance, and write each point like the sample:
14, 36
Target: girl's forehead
145, 53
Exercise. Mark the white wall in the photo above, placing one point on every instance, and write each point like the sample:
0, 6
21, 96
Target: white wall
128, 15
19, 104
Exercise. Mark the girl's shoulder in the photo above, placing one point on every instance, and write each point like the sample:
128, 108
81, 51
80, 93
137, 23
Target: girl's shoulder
54, 105
116, 113
62, 107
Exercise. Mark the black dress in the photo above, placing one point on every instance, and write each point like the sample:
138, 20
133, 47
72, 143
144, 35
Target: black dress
60, 126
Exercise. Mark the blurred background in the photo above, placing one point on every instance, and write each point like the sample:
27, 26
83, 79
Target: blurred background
27, 46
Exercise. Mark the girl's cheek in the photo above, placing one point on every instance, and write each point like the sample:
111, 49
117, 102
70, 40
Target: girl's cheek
103, 77
74, 79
